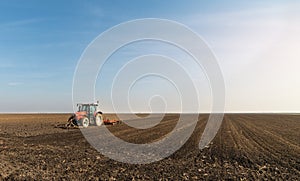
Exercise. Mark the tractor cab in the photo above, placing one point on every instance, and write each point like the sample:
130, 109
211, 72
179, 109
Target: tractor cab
90, 109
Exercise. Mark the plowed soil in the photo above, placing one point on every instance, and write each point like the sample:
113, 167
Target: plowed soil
247, 147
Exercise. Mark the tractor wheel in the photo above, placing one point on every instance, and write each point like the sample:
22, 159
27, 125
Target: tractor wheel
98, 120
85, 122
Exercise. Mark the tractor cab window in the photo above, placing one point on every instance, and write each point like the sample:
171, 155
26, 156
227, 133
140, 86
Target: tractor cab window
92, 109
83, 108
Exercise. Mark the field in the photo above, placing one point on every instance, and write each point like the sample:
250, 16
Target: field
247, 147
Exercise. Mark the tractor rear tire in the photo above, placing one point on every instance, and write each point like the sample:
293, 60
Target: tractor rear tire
85, 122
98, 120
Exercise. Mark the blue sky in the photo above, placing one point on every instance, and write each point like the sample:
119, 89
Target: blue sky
256, 43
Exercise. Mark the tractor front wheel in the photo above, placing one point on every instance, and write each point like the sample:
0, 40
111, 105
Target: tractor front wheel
99, 120
85, 122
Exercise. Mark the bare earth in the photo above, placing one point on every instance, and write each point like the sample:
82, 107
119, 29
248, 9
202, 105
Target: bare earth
247, 147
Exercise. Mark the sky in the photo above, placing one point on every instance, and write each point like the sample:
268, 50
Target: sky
256, 43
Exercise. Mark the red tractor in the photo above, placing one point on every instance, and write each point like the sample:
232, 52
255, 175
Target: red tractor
88, 114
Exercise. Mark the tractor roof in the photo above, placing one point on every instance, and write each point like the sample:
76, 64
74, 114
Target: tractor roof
90, 104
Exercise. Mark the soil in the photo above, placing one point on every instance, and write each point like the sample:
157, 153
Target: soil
247, 147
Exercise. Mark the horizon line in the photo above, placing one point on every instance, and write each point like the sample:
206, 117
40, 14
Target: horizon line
227, 112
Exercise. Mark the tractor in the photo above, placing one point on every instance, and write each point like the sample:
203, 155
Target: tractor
88, 114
